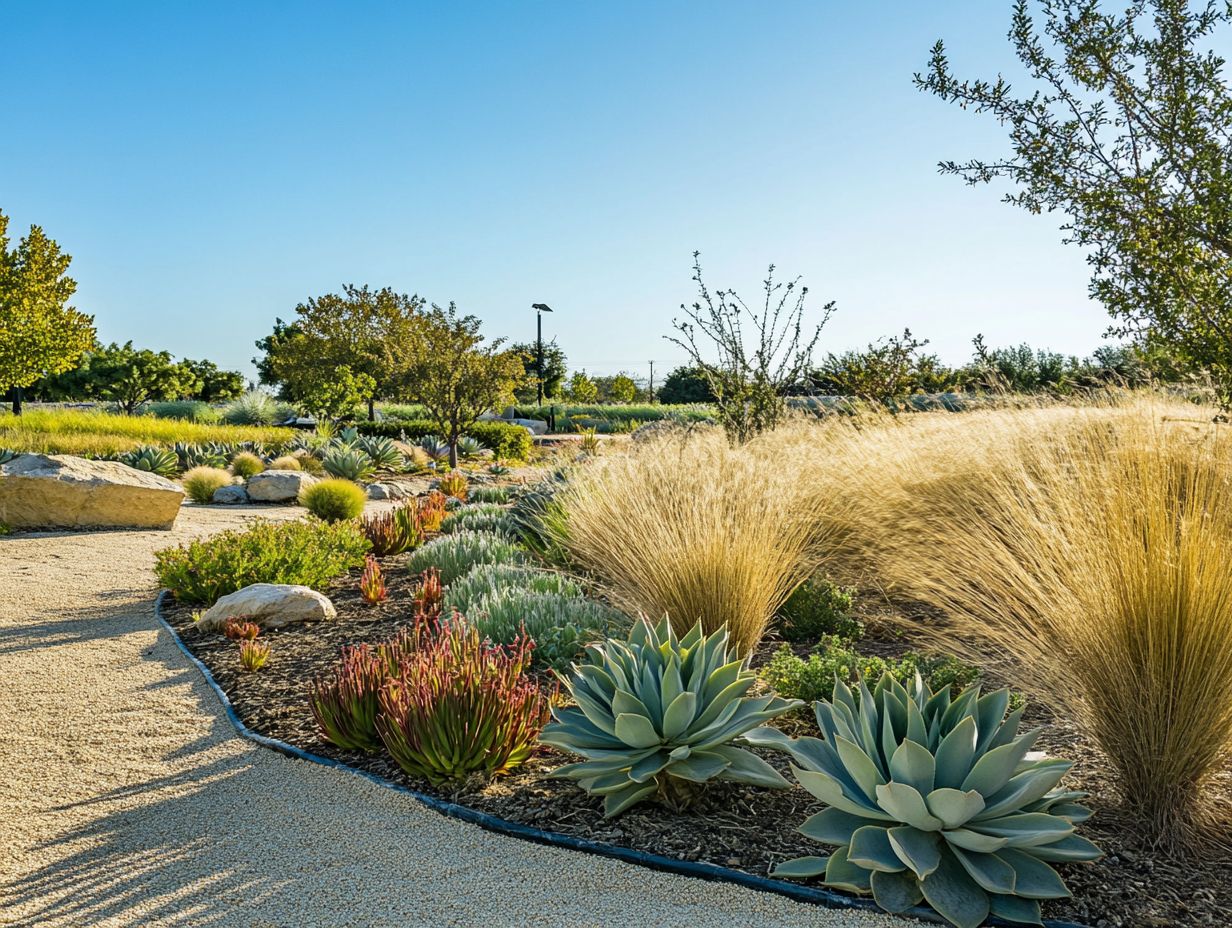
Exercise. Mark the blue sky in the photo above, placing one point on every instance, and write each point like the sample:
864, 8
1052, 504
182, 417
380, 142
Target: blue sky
211, 165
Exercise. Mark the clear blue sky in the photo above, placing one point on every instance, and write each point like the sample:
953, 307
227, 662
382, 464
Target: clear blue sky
211, 165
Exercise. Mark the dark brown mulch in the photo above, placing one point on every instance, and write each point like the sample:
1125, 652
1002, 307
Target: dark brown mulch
730, 825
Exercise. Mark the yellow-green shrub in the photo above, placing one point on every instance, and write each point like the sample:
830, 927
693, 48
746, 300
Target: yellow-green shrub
286, 462
246, 464
333, 500
201, 482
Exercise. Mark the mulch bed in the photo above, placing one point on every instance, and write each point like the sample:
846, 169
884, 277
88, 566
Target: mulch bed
731, 825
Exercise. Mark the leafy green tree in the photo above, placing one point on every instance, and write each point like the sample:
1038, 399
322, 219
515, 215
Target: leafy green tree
40, 334
686, 385
129, 376
621, 389
210, 383
749, 380
335, 396
886, 369
581, 389
361, 329
270, 346
554, 369
454, 375
1125, 132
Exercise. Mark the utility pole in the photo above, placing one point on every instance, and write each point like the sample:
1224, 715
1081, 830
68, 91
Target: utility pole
651, 395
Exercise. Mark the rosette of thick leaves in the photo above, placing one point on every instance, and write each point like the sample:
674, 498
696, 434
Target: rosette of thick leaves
934, 800
658, 715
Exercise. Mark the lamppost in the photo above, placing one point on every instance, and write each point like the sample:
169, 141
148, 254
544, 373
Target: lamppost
540, 309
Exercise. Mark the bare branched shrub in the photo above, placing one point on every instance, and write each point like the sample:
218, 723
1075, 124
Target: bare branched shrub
749, 381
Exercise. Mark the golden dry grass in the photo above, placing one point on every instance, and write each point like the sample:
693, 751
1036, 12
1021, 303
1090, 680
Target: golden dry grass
1088, 554
97, 434
690, 528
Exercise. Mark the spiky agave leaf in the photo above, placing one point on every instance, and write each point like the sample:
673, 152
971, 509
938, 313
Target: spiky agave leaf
658, 715
934, 800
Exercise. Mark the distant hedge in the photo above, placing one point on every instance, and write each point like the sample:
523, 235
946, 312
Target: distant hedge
615, 417
507, 442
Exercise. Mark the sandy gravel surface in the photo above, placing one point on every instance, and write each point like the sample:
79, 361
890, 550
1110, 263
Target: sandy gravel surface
127, 799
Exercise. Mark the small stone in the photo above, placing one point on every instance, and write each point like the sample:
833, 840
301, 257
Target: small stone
230, 495
269, 605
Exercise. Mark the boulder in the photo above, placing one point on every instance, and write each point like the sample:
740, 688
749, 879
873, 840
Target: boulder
385, 491
236, 493
278, 486
269, 605
62, 491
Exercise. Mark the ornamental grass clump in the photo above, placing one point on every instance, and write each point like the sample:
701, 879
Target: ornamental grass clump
1094, 548
461, 705
309, 553
246, 464
453, 555
690, 527
286, 462
333, 500
395, 531
201, 483
934, 800
659, 716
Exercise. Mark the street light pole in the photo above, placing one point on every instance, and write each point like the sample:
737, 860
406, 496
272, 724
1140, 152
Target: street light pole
540, 309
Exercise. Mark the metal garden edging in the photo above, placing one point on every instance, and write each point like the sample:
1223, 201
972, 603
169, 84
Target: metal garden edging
807, 894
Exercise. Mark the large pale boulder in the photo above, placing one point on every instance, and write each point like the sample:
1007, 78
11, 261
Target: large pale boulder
269, 605
278, 486
62, 491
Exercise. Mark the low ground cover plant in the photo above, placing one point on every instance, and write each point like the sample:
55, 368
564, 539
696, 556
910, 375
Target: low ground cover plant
201, 483
480, 517
489, 493
453, 555
333, 500
310, 553
99, 434
659, 715
816, 608
490, 579
932, 799
560, 624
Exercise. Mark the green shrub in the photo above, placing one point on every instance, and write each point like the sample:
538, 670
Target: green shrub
818, 608
489, 493
200, 483
489, 579
185, 410
561, 625
658, 715
453, 555
246, 464
333, 500
933, 799
480, 517
310, 553
507, 442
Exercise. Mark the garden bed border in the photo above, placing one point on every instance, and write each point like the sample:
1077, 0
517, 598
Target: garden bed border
697, 869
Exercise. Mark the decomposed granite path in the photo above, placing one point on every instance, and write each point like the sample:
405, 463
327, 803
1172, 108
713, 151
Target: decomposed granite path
126, 798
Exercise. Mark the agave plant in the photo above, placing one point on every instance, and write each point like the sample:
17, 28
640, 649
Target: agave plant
658, 715
347, 463
934, 800
383, 451
469, 446
159, 461
435, 447
192, 455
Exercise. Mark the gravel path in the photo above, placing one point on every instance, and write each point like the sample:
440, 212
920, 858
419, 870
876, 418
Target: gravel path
127, 799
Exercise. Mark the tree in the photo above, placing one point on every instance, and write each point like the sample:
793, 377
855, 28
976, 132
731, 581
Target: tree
454, 375
360, 329
581, 389
886, 369
621, 389
1126, 133
40, 334
270, 346
749, 382
209, 383
554, 369
130, 376
335, 396
686, 385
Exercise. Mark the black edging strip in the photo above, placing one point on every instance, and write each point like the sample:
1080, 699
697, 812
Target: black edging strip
799, 893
